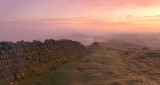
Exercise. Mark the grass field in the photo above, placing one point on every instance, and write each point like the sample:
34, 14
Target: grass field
105, 65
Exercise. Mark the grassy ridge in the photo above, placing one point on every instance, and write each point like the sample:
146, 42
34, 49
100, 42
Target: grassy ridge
105, 65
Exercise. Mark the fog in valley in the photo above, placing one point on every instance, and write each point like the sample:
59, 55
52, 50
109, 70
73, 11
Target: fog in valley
86, 37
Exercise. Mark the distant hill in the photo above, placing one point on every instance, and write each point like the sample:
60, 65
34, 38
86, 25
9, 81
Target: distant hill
144, 39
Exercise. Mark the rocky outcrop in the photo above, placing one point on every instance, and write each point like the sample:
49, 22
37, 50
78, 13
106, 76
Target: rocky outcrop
92, 46
18, 59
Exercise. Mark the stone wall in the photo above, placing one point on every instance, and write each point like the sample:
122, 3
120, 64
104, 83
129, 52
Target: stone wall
17, 58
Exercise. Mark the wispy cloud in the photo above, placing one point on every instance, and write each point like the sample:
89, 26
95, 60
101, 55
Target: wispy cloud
117, 3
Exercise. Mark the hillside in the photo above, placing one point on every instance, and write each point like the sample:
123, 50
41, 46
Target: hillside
105, 64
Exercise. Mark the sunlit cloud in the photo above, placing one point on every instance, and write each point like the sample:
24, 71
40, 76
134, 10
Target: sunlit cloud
116, 3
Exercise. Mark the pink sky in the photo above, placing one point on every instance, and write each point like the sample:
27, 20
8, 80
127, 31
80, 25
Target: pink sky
44, 16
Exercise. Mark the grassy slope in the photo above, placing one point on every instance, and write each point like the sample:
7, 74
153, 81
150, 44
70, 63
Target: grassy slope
106, 65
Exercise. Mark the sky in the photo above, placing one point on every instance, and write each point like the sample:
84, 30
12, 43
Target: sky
40, 19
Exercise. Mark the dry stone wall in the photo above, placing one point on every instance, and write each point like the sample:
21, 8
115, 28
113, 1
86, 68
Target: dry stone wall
16, 58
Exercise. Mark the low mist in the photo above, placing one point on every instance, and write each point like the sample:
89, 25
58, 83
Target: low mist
86, 36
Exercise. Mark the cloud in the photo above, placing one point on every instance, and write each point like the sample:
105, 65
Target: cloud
52, 21
135, 2
157, 16
129, 16
118, 3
